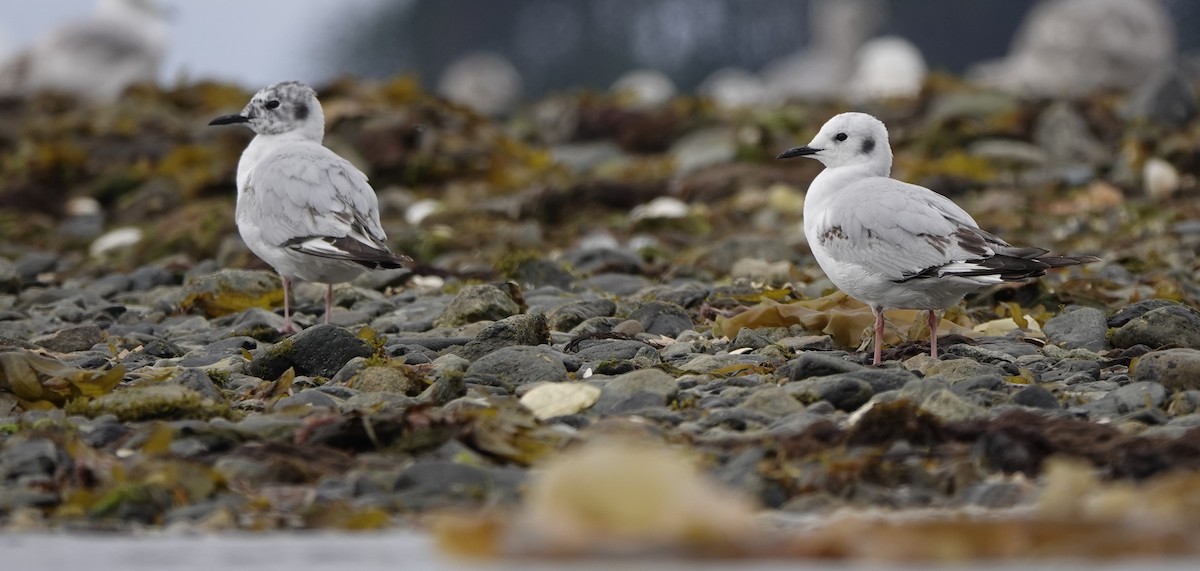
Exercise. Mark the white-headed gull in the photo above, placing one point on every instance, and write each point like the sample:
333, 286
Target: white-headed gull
891, 244
300, 207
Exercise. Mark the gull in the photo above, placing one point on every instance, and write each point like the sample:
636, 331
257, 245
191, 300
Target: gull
123, 43
300, 207
891, 244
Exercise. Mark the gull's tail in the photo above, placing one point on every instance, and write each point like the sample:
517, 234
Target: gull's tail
1007, 265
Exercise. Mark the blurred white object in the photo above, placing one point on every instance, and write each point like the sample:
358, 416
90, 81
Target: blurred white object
663, 207
887, 67
1160, 178
114, 240
821, 69
123, 43
646, 87
1068, 48
483, 81
734, 87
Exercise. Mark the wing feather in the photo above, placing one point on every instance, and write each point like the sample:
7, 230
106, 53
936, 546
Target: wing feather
307, 198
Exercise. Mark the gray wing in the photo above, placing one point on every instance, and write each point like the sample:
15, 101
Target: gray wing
315, 202
906, 232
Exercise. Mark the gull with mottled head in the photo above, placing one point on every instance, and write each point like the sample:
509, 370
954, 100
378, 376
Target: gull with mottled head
891, 244
300, 207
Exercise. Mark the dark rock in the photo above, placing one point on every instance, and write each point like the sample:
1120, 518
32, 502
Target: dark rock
1081, 329
539, 272
478, 303
1036, 396
35, 458
567, 317
147, 277
635, 390
662, 318
844, 391
1175, 325
749, 338
604, 260
617, 284
519, 365
318, 351
1137, 396
617, 350
214, 352
442, 484
10, 277
978, 383
32, 263
520, 329
817, 365
773, 401
162, 349
199, 381
1174, 369
690, 294
1135, 310
79, 338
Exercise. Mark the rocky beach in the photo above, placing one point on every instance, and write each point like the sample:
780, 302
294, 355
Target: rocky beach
598, 269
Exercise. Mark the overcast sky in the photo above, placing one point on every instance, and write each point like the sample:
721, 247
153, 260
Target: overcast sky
252, 42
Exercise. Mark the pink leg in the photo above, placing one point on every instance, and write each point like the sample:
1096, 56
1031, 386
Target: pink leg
878, 311
934, 319
287, 306
328, 301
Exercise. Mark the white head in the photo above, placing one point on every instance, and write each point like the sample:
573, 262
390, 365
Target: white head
285, 107
849, 139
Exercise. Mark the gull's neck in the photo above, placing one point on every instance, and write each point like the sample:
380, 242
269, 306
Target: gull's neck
262, 145
833, 179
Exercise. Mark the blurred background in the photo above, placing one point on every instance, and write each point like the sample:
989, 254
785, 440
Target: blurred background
541, 45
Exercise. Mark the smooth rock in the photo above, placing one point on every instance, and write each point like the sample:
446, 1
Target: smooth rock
1085, 328
634, 390
71, 339
1174, 369
520, 329
844, 391
1036, 396
519, 365
773, 401
569, 316
318, 351
662, 318
478, 303
1175, 325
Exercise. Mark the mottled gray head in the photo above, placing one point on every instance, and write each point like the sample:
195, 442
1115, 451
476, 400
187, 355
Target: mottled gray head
281, 108
849, 139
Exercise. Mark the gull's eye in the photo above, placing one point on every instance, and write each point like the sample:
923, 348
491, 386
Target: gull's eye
838, 137
272, 104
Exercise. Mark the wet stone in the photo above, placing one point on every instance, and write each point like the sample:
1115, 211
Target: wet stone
1084, 328
519, 365
1174, 369
1175, 325
478, 303
772, 401
817, 365
317, 351
569, 316
844, 391
635, 390
662, 318
79, 338
520, 329
1036, 396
